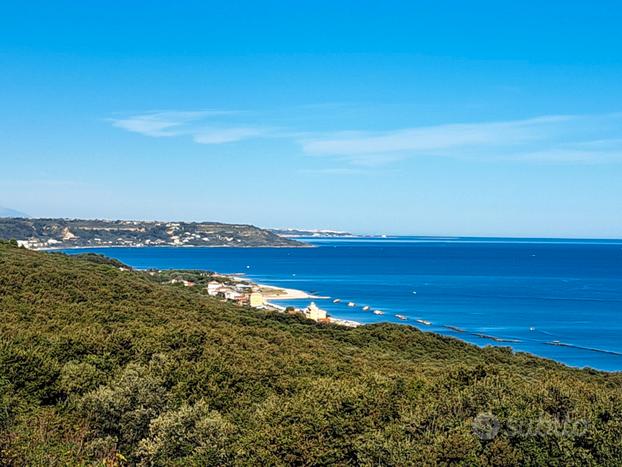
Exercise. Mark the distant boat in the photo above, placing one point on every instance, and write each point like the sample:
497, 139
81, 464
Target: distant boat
424, 321
351, 304
378, 312
365, 308
337, 300
402, 317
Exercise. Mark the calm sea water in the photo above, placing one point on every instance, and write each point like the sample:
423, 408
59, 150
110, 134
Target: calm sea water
528, 293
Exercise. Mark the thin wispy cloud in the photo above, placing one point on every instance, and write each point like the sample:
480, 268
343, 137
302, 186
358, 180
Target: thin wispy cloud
549, 138
204, 127
600, 151
161, 124
227, 135
554, 138
339, 171
433, 138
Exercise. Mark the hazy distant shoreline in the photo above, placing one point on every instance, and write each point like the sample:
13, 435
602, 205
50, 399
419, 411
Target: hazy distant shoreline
231, 247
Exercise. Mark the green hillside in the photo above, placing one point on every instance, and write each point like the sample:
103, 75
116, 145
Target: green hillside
72, 233
99, 365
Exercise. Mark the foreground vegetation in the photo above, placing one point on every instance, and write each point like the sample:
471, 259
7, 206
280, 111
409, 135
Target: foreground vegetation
101, 365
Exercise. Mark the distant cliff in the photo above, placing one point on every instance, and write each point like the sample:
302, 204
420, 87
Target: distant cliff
71, 233
296, 233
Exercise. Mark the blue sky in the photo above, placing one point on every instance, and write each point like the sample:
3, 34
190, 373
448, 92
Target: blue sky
431, 118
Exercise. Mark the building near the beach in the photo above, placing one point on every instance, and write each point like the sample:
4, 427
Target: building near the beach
182, 281
232, 295
243, 287
314, 312
256, 300
213, 287
229, 294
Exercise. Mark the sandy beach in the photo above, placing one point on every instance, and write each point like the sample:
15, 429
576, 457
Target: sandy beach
272, 292
280, 293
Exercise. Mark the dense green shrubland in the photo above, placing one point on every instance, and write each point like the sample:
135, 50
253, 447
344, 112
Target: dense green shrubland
101, 365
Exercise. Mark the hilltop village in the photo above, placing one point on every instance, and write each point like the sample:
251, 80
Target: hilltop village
40, 234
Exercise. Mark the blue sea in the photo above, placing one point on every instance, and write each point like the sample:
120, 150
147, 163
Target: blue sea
559, 299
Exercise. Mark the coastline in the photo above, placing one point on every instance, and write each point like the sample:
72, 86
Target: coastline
97, 247
274, 293
282, 293
555, 348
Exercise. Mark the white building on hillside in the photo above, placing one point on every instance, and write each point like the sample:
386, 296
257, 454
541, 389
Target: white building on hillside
213, 288
232, 294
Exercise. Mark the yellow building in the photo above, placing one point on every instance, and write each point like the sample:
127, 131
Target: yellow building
314, 312
256, 299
